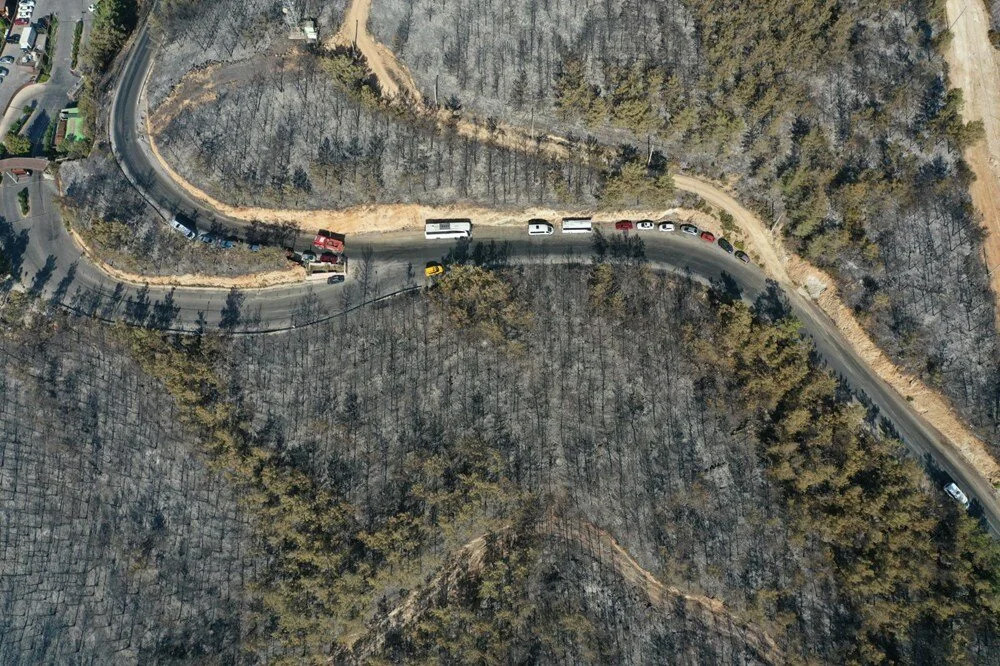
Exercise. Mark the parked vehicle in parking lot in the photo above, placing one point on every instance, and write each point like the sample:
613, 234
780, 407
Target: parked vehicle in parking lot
4, 71
539, 227
666, 226
956, 494
331, 258
623, 225
726, 245
644, 225
433, 269
689, 229
708, 236
743, 256
7, 60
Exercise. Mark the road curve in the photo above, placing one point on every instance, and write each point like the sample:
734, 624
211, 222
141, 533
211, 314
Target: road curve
49, 263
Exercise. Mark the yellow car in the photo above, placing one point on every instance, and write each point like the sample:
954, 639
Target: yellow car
433, 269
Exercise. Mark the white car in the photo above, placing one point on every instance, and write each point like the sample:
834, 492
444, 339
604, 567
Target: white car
539, 228
957, 494
92, 8
644, 225
666, 226
188, 232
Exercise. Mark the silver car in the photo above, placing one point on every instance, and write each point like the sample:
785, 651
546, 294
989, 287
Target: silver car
956, 494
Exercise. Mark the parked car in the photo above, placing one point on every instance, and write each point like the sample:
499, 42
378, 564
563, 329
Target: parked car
335, 279
433, 269
743, 256
7, 60
644, 225
726, 245
21, 22
708, 236
539, 227
666, 226
207, 237
689, 229
332, 258
307, 257
185, 226
623, 225
4, 71
957, 494
254, 247
226, 243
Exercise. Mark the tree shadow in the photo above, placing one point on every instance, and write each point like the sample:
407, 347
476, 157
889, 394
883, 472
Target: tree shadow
772, 304
14, 245
231, 313
165, 311
725, 289
113, 301
137, 307
59, 295
43, 275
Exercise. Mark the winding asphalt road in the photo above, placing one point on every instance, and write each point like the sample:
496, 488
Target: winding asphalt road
49, 263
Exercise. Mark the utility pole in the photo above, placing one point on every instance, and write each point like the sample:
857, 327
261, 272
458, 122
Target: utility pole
649, 150
356, 21
436, 76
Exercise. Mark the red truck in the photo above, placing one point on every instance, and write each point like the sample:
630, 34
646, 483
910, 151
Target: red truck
327, 241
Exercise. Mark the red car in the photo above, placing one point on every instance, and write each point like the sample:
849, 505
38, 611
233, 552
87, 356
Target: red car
22, 21
623, 225
708, 236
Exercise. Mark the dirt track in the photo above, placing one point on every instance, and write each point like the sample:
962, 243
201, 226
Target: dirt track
975, 68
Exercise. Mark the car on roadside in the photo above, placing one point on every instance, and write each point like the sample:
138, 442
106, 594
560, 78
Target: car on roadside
227, 243
433, 268
307, 258
4, 71
956, 494
7, 60
540, 227
689, 229
254, 247
207, 237
726, 245
708, 236
666, 226
624, 225
335, 279
644, 225
185, 226
743, 256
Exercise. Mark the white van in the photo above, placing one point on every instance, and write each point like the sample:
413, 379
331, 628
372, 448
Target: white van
539, 227
577, 225
184, 225
957, 494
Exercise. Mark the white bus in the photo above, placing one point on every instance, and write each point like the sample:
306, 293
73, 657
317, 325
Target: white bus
577, 225
457, 228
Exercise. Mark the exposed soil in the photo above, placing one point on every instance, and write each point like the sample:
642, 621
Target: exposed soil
974, 66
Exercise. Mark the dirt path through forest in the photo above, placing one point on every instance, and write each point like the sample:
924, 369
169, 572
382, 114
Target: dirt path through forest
393, 78
974, 66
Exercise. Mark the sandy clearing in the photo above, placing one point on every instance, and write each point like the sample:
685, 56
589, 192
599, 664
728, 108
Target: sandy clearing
261, 280
974, 66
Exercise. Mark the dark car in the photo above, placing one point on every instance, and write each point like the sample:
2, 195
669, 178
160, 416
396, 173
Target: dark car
689, 229
207, 238
331, 258
335, 279
226, 243
726, 245
742, 256
708, 236
623, 225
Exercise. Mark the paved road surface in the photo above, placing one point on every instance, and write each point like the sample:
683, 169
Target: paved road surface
50, 264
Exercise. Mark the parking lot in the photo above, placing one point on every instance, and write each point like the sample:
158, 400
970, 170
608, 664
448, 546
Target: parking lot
18, 88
